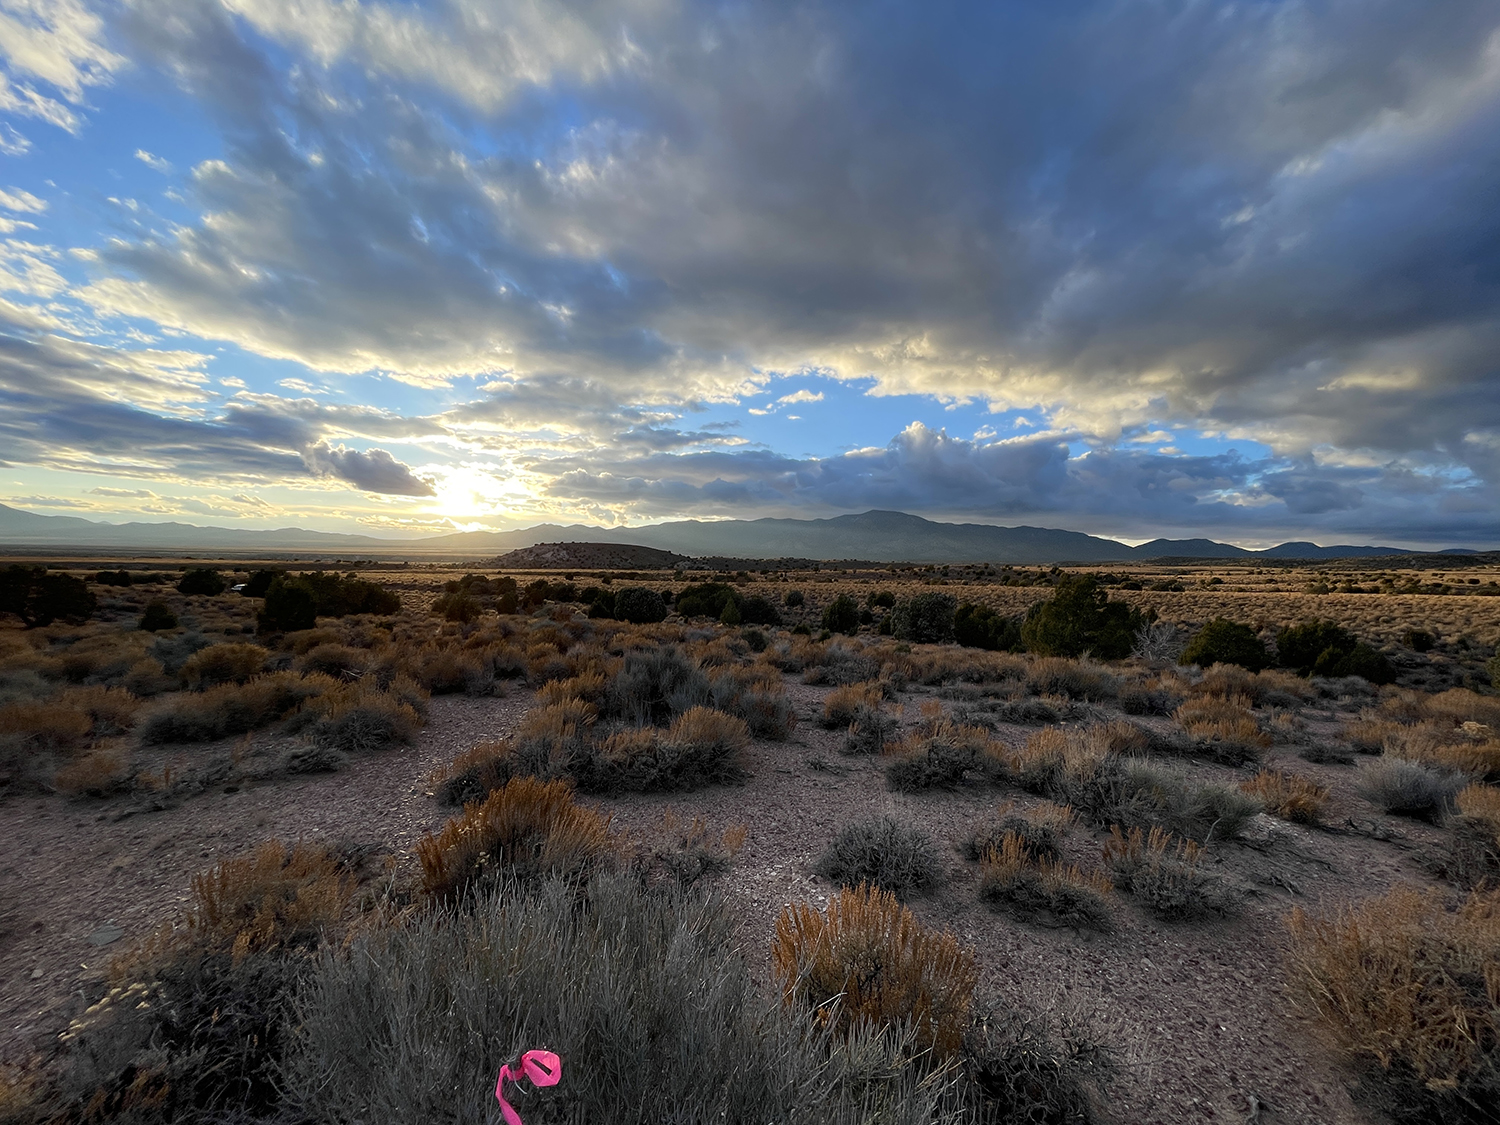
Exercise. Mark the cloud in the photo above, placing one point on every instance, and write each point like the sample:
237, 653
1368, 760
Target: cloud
58, 43
74, 406
17, 200
1037, 480
155, 163
373, 470
124, 493
1271, 223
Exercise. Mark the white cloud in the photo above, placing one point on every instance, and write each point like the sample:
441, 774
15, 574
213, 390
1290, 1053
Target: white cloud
155, 163
56, 42
17, 200
801, 396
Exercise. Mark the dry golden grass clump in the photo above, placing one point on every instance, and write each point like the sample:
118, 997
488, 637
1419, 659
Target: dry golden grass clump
1224, 727
527, 828
96, 774
1164, 874
867, 958
1075, 679
223, 664
1409, 986
588, 687
1043, 890
841, 706
274, 898
1289, 796
54, 726
231, 708
1227, 681
1453, 748
1481, 802
1040, 829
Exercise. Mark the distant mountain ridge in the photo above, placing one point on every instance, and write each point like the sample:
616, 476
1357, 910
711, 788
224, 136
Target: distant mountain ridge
875, 535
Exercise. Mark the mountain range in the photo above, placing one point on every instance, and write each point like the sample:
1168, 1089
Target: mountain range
875, 535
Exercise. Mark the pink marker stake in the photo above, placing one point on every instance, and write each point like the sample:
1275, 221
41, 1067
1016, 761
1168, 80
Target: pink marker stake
542, 1067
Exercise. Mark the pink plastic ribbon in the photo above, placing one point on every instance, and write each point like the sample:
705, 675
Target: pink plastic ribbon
542, 1067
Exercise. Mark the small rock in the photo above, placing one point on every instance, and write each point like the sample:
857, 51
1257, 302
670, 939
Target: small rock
105, 934
36, 974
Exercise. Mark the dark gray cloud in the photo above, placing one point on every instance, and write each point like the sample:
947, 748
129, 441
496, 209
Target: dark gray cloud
373, 470
1035, 479
62, 406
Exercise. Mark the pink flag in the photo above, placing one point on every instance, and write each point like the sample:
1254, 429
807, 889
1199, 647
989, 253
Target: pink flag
542, 1067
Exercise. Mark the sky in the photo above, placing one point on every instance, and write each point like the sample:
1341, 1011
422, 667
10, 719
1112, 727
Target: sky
1138, 268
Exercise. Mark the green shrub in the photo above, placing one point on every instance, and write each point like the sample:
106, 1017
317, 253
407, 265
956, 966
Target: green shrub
457, 607
882, 599
884, 853
114, 578
793, 599
1079, 618
202, 580
259, 582
39, 597
295, 602
924, 619
1322, 648
841, 615
756, 610
497, 595
640, 605
1226, 642
157, 616
705, 599
979, 626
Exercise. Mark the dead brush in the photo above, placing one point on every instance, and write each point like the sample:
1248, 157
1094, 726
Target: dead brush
476, 773
1040, 830
354, 719
842, 704
230, 708
1435, 744
865, 957
588, 687
98, 773
1047, 892
527, 828
1223, 728
223, 664
1289, 796
1075, 679
692, 851
112, 710
937, 756
274, 898
1474, 852
54, 726
1409, 988
1164, 875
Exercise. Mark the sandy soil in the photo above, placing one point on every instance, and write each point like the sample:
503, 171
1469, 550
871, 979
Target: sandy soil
1199, 1011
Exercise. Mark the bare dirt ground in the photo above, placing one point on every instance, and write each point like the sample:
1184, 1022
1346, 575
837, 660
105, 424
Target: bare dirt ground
1199, 1011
